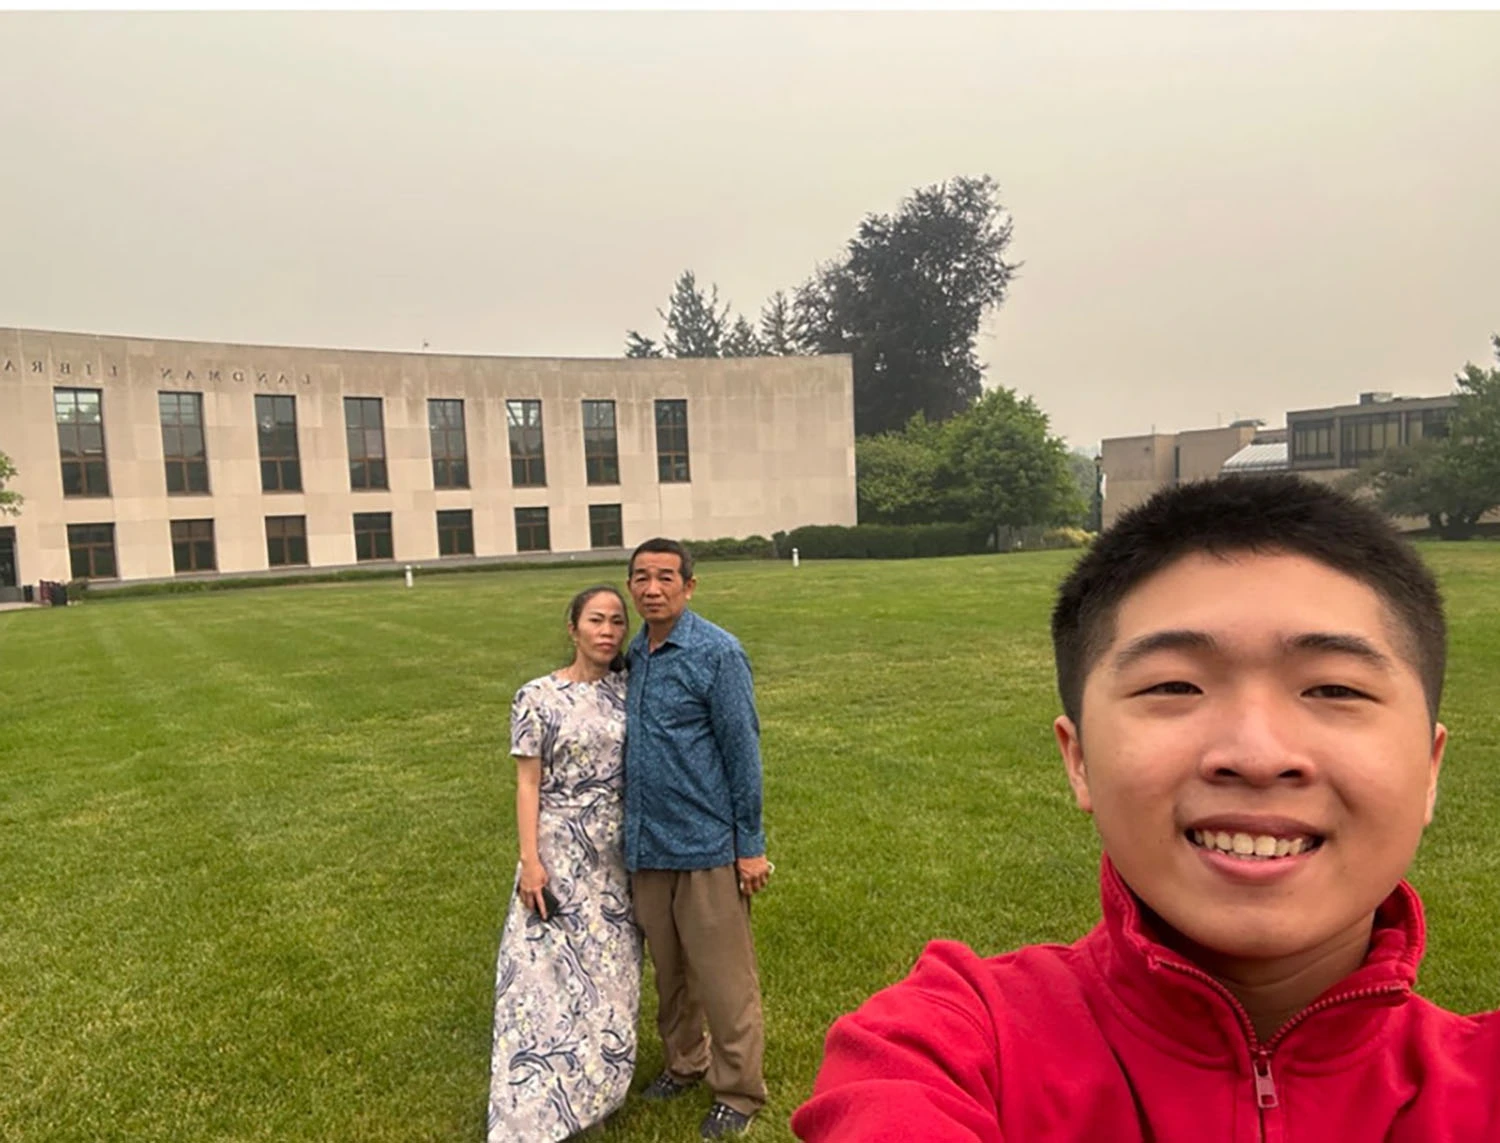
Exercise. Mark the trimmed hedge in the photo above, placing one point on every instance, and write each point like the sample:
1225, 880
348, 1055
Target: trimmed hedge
885, 541
729, 548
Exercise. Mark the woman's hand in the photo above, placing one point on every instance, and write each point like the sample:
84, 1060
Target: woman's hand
533, 877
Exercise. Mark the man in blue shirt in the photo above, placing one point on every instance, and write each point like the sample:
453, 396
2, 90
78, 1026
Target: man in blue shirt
693, 837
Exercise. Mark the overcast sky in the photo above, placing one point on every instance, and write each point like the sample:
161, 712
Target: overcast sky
1220, 215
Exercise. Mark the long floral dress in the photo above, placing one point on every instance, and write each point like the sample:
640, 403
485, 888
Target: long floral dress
567, 989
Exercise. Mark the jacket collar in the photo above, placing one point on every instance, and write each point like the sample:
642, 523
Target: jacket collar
1172, 1001
681, 634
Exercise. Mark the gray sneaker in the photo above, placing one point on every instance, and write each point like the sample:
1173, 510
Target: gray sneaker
723, 1120
668, 1086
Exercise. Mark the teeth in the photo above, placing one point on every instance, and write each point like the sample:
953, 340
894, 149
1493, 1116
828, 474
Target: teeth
1252, 847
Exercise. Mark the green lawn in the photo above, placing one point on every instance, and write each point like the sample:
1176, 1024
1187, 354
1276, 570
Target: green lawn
255, 846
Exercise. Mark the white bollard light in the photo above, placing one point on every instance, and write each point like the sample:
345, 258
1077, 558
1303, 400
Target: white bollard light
796, 560
408, 575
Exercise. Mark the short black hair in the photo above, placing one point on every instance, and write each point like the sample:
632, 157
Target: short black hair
662, 544
1263, 513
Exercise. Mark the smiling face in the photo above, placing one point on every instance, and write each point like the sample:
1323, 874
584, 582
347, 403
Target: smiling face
1257, 752
601, 628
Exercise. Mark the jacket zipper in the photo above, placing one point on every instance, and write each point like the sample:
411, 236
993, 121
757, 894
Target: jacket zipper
1260, 1054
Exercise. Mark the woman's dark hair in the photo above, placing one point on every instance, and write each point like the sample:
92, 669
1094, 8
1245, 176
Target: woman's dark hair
1273, 513
581, 600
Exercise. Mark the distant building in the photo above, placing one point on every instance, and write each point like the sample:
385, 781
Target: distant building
1322, 444
144, 459
1334, 441
1135, 467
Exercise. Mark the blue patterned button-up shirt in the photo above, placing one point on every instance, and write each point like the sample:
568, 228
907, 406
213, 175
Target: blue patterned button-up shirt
692, 751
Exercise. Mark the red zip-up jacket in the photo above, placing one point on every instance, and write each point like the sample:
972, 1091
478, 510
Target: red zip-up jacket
1117, 1039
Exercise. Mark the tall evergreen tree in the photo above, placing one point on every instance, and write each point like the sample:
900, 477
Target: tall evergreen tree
907, 299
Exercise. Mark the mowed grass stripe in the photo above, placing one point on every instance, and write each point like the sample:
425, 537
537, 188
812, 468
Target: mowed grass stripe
256, 845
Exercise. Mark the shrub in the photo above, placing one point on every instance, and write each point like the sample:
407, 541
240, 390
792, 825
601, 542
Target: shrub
1067, 538
729, 548
885, 541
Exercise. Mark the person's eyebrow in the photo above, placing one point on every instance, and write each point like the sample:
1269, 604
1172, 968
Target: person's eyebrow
1330, 643
1172, 640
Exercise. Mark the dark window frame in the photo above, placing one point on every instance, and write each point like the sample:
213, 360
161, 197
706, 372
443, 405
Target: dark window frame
286, 540
673, 463
534, 531
194, 540
181, 417
280, 461
528, 446
455, 531
1365, 436
373, 535
364, 428
86, 464
88, 541
447, 437
1313, 440
601, 442
606, 530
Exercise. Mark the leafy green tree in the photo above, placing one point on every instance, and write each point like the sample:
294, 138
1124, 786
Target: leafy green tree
777, 335
1452, 480
907, 299
898, 475
741, 340
1005, 467
10, 500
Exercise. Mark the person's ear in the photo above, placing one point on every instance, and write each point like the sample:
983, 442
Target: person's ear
1435, 764
1070, 743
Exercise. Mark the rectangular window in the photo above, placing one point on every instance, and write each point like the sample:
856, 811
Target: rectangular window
528, 465
280, 462
605, 530
80, 441
456, 532
601, 444
672, 442
364, 421
1369, 435
91, 548
1429, 423
193, 546
372, 536
182, 444
1312, 441
450, 451
531, 530
286, 540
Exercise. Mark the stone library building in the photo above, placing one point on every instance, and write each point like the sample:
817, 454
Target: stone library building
145, 459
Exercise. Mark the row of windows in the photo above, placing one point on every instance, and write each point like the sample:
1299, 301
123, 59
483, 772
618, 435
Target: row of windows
91, 547
85, 469
1364, 436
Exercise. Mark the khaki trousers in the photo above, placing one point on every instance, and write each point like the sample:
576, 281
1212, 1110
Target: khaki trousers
697, 927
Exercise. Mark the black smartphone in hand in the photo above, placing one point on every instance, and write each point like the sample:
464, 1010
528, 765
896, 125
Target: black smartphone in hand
550, 901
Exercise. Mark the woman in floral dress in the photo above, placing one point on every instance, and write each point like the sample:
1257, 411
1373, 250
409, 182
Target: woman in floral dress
568, 980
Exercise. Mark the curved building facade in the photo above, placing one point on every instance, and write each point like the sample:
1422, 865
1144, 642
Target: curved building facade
144, 459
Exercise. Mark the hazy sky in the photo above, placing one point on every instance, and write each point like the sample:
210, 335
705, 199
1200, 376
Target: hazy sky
1220, 215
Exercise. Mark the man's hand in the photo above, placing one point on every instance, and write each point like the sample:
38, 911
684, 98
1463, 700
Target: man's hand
754, 873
